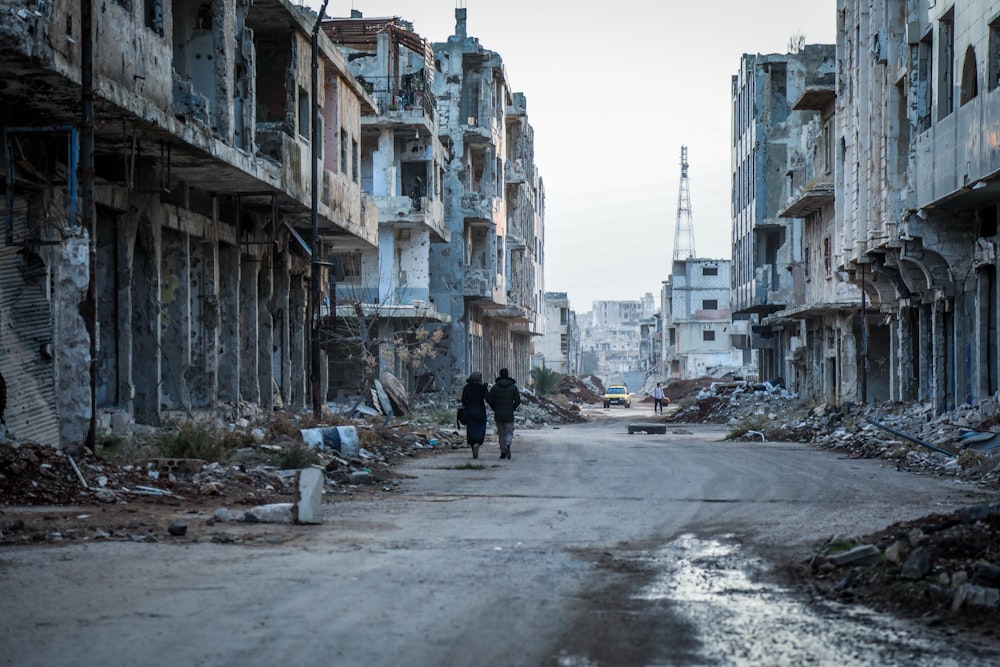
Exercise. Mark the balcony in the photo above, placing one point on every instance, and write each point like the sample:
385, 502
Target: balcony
475, 207
483, 285
809, 198
412, 212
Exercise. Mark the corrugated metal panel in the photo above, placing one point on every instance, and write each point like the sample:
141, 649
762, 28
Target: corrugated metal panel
25, 329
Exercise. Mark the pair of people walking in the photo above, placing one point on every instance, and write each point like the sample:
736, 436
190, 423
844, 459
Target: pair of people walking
503, 397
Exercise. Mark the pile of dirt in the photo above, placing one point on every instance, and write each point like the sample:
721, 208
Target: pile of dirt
942, 569
579, 391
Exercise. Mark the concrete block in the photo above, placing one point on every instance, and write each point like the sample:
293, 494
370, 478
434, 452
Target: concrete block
647, 428
309, 506
273, 513
863, 554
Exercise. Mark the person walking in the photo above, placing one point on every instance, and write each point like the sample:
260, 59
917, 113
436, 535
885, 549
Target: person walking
658, 399
504, 397
474, 411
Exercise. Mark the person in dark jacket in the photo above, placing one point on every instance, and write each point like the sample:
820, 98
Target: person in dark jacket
504, 397
474, 405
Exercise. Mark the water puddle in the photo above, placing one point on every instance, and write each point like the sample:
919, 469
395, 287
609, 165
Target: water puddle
744, 622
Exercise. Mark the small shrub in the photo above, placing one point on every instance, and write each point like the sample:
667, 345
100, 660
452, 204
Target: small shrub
191, 440
120, 450
296, 457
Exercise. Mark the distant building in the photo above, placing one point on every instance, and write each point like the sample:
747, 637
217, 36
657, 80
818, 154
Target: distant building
556, 349
697, 323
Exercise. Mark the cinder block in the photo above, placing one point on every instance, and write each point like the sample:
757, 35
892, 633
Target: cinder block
309, 506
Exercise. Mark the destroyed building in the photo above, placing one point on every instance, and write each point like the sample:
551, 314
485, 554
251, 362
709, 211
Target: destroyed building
767, 259
557, 348
383, 293
488, 278
892, 282
159, 208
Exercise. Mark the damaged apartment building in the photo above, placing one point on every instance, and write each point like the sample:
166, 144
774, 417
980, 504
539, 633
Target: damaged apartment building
488, 278
164, 254
896, 181
447, 157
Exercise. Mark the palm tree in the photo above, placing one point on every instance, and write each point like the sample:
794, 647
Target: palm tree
545, 380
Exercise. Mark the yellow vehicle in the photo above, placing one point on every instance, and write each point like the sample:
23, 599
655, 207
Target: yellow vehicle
617, 394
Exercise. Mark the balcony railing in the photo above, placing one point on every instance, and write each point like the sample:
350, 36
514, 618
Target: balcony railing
394, 93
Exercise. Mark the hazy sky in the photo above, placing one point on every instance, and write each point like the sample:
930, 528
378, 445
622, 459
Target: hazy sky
614, 89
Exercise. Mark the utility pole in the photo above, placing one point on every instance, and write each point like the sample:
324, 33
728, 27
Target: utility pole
684, 232
314, 292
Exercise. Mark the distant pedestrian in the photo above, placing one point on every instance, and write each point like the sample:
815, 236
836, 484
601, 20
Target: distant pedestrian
504, 397
474, 411
658, 399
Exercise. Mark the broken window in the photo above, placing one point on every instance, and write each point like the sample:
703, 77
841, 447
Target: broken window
946, 64
924, 88
153, 10
351, 264
970, 77
304, 113
994, 64
827, 257
710, 304
354, 160
708, 335
343, 151
709, 270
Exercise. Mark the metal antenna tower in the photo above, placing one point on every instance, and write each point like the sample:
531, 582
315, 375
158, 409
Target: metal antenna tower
684, 232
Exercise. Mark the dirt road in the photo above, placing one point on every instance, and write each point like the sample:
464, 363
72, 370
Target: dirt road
589, 547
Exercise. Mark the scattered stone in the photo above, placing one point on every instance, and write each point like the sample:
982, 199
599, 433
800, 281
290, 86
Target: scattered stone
863, 554
223, 515
917, 564
894, 554
273, 513
177, 529
360, 478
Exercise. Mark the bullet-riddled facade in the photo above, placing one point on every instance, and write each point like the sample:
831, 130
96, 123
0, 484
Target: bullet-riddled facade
160, 226
768, 259
488, 277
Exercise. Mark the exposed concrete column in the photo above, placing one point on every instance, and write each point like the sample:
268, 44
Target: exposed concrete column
249, 319
967, 370
297, 342
387, 266
71, 348
850, 390
125, 269
205, 323
280, 308
265, 331
146, 357
224, 42
229, 324
939, 356
384, 165
900, 370
175, 327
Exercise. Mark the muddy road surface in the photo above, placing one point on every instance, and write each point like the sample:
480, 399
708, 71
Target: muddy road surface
590, 547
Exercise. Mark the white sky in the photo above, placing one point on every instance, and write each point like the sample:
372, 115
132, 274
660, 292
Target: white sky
613, 90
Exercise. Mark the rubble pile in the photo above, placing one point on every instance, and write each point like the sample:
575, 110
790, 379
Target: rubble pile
581, 391
538, 410
935, 568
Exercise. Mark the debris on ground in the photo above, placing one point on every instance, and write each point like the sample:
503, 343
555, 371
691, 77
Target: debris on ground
939, 569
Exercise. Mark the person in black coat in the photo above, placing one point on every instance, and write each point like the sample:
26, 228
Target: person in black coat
504, 397
474, 411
